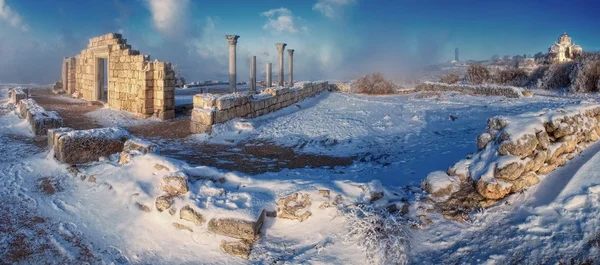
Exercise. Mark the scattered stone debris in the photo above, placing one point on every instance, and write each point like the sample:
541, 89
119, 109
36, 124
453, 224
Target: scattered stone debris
324, 193
182, 227
188, 214
294, 207
236, 228
164, 202
143, 207
175, 185
92, 179
239, 248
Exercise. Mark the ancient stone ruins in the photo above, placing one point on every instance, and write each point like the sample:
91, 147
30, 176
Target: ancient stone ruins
111, 72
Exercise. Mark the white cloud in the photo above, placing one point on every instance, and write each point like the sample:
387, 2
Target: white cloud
331, 8
168, 16
12, 17
282, 20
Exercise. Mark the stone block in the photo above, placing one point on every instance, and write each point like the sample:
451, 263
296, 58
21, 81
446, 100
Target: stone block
196, 127
175, 185
54, 134
204, 101
189, 214
139, 145
237, 228
225, 103
239, 248
203, 116
83, 146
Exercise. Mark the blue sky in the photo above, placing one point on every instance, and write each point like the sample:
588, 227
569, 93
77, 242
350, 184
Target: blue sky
332, 38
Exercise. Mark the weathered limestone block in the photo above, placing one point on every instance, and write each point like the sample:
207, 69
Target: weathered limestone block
440, 185
203, 116
509, 170
164, 202
460, 169
189, 214
528, 179
16, 94
236, 228
54, 133
522, 147
536, 162
543, 139
83, 146
240, 248
483, 139
204, 101
493, 190
139, 145
294, 207
175, 185
225, 103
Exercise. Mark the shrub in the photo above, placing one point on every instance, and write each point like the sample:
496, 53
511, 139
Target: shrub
450, 78
586, 76
381, 235
535, 78
374, 84
511, 77
477, 74
558, 76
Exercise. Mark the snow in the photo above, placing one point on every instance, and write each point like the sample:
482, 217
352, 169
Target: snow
396, 140
108, 117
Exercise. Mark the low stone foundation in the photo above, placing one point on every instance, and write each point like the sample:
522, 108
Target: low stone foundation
39, 119
477, 90
515, 151
16, 94
211, 109
84, 146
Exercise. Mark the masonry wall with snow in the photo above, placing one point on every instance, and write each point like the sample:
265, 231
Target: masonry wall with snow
479, 90
110, 71
515, 151
38, 118
210, 109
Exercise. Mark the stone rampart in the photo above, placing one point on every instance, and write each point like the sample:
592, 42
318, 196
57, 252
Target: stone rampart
211, 109
515, 151
39, 119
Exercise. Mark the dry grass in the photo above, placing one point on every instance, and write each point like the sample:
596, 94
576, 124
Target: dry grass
450, 78
374, 84
477, 74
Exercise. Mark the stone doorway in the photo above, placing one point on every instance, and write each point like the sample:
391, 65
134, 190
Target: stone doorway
102, 79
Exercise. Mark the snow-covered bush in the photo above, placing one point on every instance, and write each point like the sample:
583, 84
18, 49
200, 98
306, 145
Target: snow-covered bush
510, 76
450, 78
586, 74
558, 76
381, 235
535, 78
374, 84
477, 74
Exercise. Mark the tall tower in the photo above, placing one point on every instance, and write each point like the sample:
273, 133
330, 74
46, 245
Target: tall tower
456, 54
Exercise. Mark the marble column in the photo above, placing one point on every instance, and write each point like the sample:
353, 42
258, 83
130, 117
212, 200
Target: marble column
232, 67
269, 78
280, 49
252, 74
291, 66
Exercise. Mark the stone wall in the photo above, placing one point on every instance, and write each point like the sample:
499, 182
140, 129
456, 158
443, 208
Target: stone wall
210, 109
84, 146
69, 75
135, 84
39, 119
477, 90
16, 94
515, 151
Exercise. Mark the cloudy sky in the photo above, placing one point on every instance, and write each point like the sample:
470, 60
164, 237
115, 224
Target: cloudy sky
333, 38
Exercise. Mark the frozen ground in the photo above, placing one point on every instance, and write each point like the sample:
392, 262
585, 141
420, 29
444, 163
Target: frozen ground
396, 139
399, 139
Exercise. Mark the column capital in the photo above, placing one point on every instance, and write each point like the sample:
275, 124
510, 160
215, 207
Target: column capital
290, 52
232, 39
280, 47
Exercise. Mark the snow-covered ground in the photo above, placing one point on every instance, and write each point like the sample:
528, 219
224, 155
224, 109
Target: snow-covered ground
395, 139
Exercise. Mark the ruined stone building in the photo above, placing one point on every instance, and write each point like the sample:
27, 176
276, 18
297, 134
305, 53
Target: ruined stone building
564, 50
108, 70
